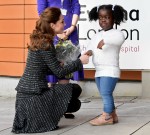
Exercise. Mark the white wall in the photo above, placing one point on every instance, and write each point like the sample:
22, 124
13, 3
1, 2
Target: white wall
7, 88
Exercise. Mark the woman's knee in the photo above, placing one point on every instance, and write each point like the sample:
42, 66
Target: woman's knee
78, 105
74, 106
76, 92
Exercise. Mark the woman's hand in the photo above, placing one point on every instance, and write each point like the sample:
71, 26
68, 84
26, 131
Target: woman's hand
84, 59
62, 64
89, 53
69, 30
62, 36
100, 44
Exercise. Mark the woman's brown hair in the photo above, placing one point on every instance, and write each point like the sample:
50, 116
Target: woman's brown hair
42, 36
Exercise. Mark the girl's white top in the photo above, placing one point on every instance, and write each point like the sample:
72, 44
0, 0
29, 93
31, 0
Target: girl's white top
106, 60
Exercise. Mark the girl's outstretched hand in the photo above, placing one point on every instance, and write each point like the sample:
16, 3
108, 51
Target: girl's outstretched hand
84, 59
89, 53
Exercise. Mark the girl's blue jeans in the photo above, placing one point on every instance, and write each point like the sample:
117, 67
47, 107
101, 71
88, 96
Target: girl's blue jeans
106, 86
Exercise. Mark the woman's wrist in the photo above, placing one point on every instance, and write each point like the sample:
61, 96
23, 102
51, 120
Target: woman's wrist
73, 27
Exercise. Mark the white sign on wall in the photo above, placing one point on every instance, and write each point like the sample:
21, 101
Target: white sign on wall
135, 51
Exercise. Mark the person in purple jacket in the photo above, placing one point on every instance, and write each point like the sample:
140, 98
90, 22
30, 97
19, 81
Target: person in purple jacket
71, 11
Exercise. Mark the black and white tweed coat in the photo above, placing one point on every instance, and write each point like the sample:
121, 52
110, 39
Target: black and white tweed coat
39, 108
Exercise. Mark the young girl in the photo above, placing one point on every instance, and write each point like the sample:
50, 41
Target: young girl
39, 108
105, 47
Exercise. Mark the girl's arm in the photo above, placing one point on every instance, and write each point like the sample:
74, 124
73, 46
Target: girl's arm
116, 39
41, 5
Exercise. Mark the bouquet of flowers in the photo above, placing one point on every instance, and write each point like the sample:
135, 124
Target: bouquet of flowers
66, 52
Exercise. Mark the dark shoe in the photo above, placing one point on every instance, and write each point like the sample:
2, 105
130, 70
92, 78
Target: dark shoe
69, 116
57, 127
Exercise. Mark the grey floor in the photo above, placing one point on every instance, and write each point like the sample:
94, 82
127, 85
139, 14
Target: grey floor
133, 112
